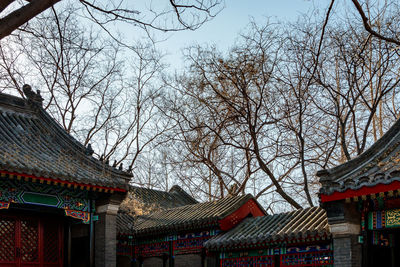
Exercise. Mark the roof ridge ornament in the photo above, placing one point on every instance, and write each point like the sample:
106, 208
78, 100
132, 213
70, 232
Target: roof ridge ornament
33, 98
89, 150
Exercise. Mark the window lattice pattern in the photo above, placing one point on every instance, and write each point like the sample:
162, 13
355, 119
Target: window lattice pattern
7, 239
50, 243
29, 241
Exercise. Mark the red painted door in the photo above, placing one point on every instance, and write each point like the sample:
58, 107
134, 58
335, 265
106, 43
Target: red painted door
28, 247
30, 242
8, 241
52, 240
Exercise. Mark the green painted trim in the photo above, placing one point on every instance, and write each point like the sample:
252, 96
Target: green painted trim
40, 199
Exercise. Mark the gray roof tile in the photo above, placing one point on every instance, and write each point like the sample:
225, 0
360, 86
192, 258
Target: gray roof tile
33, 143
176, 197
152, 199
380, 164
297, 224
190, 216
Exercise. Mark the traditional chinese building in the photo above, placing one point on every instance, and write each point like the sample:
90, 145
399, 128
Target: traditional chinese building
362, 201
176, 237
142, 202
298, 238
51, 192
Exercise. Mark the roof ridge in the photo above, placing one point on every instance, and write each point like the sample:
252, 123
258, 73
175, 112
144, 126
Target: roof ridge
80, 147
177, 189
146, 188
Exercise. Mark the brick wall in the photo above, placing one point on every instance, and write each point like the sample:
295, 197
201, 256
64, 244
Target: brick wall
356, 255
347, 252
105, 241
105, 230
342, 251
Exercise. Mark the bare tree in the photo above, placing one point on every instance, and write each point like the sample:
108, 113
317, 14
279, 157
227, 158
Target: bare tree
95, 94
356, 77
231, 108
391, 36
281, 105
159, 15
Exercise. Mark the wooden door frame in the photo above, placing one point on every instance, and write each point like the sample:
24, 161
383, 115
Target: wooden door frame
40, 225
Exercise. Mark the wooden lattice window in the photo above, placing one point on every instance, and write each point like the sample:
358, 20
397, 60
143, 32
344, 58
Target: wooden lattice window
51, 243
29, 241
319, 258
7, 240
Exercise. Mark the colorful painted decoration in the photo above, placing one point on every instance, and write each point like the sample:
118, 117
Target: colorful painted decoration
76, 203
318, 258
384, 219
81, 215
281, 250
378, 203
152, 250
187, 246
253, 253
393, 218
4, 205
376, 220
312, 248
15, 191
382, 239
209, 233
181, 244
248, 261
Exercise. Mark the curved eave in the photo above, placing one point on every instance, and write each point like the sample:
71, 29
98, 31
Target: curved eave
60, 182
387, 142
362, 191
88, 171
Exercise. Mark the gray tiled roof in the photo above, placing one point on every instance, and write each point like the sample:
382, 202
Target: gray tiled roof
154, 200
33, 143
190, 216
125, 223
380, 164
176, 197
297, 224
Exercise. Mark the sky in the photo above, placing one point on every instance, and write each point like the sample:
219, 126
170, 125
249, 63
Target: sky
225, 27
